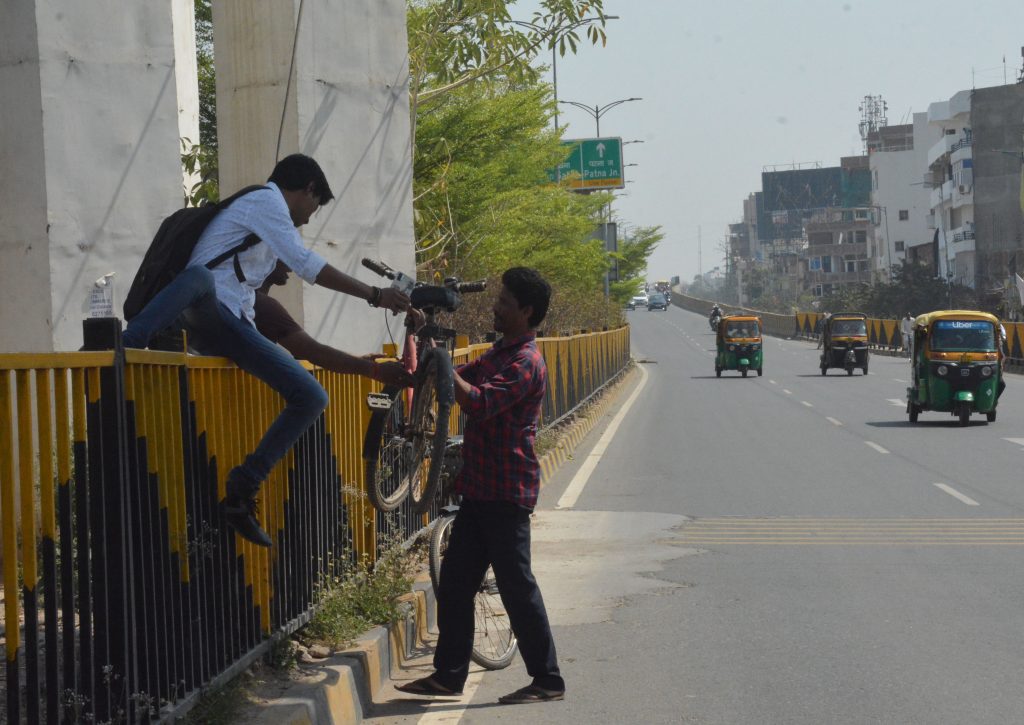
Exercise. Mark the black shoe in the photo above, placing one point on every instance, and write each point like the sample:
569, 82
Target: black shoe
241, 516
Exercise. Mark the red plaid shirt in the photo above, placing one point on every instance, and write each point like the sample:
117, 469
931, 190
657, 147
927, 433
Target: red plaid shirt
508, 383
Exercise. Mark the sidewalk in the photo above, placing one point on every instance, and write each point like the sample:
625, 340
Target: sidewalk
343, 688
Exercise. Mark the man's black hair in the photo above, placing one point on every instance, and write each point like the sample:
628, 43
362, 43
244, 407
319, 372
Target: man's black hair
296, 172
529, 288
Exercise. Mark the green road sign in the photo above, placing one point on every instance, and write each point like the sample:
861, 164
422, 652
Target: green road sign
592, 164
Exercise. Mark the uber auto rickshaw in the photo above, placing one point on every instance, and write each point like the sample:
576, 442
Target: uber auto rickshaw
739, 345
957, 364
845, 342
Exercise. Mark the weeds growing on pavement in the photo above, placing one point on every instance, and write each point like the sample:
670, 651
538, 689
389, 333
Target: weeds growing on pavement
221, 706
355, 596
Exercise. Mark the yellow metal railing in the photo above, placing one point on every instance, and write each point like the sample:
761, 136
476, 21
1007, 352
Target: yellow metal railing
111, 468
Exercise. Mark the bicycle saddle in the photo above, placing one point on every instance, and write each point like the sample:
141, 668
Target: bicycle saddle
435, 296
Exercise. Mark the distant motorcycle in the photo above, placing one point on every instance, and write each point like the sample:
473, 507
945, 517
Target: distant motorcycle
715, 319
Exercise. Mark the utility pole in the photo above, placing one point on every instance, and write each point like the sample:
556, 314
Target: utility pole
700, 264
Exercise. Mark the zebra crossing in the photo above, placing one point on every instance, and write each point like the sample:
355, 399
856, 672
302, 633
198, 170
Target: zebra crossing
799, 531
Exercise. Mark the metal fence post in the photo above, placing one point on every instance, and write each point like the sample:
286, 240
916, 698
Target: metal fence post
114, 667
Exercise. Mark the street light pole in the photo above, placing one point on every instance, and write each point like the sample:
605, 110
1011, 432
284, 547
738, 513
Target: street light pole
554, 47
597, 111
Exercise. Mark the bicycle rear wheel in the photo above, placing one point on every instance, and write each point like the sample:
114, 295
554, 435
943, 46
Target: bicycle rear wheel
428, 425
494, 643
387, 454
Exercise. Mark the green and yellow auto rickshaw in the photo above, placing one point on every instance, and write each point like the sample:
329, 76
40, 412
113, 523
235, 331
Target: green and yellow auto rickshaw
739, 345
845, 342
957, 361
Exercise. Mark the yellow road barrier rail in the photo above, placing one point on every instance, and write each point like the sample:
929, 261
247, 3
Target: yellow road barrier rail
123, 590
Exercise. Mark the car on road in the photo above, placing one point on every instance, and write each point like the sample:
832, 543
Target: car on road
657, 302
639, 300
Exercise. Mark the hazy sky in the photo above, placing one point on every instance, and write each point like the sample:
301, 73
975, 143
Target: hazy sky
731, 87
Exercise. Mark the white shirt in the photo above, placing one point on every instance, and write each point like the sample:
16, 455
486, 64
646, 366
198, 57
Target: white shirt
907, 325
265, 214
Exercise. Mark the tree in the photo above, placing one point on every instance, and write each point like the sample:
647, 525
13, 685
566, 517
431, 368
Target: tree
634, 251
456, 42
484, 201
200, 155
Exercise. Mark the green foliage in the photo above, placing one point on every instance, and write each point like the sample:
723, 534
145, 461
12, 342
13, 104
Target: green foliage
634, 251
220, 706
207, 76
455, 42
197, 158
356, 597
201, 157
914, 289
484, 203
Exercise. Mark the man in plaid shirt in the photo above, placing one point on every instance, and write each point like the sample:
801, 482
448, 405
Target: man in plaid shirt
501, 393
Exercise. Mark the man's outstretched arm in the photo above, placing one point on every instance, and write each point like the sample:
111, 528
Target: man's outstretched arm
386, 297
302, 346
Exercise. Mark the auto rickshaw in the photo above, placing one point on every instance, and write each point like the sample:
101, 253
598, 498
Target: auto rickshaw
845, 342
739, 345
957, 364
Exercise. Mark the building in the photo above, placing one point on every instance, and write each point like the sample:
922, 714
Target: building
816, 223
997, 133
899, 198
950, 175
975, 172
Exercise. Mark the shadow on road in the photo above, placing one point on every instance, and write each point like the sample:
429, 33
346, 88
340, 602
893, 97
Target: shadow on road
923, 423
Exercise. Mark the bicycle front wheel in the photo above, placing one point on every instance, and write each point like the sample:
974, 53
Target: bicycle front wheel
387, 454
494, 644
439, 536
428, 425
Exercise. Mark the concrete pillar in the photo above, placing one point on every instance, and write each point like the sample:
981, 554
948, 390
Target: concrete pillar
89, 128
347, 107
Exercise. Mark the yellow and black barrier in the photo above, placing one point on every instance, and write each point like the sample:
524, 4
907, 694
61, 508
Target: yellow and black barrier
882, 334
123, 590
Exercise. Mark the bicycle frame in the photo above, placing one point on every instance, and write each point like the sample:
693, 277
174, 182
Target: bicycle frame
407, 434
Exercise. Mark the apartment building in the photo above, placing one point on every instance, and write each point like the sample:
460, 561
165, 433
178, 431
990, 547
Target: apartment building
900, 200
974, 169
950, 174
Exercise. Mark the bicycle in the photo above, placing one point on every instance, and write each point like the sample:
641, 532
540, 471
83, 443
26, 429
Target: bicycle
408, 429
494, 643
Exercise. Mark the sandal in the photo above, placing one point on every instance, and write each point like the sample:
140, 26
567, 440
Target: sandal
427, 687
531, 693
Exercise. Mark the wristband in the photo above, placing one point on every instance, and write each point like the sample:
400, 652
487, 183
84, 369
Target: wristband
374, 299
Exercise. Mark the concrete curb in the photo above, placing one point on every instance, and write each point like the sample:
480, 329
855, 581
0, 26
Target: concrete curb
340, 689
577, 431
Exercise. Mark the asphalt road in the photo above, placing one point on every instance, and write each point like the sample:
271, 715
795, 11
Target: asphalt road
776, 549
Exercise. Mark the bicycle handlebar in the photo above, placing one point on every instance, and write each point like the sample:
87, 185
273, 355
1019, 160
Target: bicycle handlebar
379, 268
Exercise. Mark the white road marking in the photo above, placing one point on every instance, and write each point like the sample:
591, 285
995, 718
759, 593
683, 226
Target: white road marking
956, 494
897, 402
805, 403
575, 487
773, 382
453, 710
833, 421
898, 380
877, 447
787, 392
1018, 441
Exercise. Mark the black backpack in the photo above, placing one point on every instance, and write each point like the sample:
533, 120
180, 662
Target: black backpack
171, 248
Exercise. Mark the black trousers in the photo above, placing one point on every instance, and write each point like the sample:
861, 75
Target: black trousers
496, 534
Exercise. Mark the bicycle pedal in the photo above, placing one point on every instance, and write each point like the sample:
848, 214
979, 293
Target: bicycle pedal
378, 401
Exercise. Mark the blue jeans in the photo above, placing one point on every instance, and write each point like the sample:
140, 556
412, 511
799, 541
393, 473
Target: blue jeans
191, 302
495, 533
